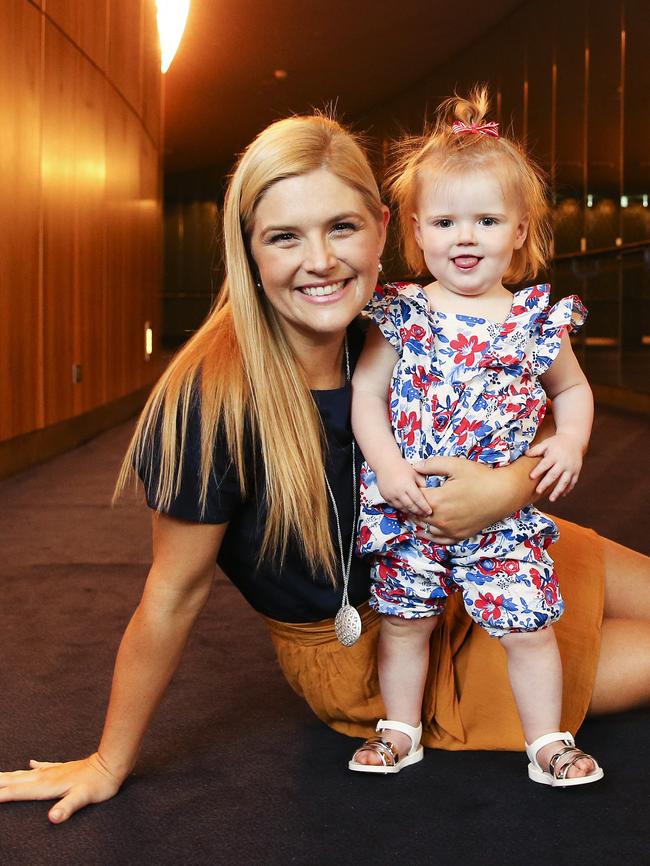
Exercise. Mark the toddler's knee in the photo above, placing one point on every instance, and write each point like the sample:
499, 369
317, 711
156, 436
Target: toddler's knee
529, 640
413, 627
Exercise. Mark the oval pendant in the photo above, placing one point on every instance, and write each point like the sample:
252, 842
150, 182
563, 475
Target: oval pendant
347, 624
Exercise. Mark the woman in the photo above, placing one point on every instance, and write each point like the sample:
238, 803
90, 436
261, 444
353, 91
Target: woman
246, 453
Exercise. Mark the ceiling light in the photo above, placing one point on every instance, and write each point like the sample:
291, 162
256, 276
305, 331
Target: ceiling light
172, 16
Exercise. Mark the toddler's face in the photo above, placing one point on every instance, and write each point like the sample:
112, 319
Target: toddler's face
468, 230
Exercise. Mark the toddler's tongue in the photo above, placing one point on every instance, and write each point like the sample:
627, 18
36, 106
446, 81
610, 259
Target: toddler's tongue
466, 262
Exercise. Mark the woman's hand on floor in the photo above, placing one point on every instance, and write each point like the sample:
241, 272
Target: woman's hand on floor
77, 783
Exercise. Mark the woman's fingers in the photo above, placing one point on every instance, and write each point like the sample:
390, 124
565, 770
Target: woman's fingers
78, 783
78, 797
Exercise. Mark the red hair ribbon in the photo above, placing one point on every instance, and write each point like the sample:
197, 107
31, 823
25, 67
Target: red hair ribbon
461, 128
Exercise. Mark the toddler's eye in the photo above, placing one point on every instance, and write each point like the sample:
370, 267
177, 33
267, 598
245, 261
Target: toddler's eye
443, 223
488, 221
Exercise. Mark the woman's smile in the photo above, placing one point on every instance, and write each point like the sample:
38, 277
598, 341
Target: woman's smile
316, 247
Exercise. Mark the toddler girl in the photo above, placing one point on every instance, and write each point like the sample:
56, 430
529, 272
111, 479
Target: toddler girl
462, 367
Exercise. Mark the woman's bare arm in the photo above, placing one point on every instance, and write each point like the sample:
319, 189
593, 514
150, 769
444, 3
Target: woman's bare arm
176, 590
475, 495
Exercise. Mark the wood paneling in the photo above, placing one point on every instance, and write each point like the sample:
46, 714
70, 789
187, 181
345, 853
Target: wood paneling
58, 181
20, 106
85, 23
124, 48
90, 272
80, 249
151, 77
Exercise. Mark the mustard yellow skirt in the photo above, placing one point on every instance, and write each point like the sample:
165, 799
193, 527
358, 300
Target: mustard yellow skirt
468, 703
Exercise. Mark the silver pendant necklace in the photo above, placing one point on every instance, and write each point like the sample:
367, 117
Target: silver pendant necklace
347, 622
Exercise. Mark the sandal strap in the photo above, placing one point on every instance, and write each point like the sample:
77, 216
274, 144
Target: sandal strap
533, 748
384, 748
561, 771
414, 734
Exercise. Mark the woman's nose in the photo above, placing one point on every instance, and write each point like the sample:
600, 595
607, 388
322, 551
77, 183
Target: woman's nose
319, 256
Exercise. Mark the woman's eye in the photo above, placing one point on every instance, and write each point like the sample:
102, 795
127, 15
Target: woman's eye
344, 228
281, 237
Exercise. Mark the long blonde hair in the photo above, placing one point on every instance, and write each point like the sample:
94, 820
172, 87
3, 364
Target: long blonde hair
440, 153
241, 348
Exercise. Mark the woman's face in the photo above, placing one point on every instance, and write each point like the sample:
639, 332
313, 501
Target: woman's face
316, 246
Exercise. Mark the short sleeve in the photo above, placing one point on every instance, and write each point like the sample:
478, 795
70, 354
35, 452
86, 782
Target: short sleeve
223, 495
386, 310
565, 317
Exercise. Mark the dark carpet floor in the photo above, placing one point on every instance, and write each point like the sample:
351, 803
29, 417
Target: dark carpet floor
235, 769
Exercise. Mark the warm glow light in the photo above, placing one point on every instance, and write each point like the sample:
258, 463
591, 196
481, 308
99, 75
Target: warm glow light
148, 341
624, 201
590, 200
645, 201
172, 16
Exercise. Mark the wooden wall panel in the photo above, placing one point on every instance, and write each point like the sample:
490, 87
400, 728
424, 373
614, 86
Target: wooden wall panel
151, 77
124, 48
637, 116
20, 41
80, 251
90, 180
62, 66
85, 23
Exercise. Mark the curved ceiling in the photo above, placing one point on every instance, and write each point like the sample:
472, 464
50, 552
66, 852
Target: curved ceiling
242, 64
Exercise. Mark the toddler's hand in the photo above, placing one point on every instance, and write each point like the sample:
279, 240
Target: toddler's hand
560, 465
400, 484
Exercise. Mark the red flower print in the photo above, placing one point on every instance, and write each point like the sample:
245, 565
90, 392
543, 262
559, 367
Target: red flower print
364, 536
385, 572
422, 381
507, 328
466, 349
547, 584
408, 424
441, 419
536, 292
535, 549
465, 427
490, 606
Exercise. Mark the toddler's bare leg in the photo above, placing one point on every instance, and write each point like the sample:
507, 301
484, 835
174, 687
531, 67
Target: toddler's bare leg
536, 678
403, 665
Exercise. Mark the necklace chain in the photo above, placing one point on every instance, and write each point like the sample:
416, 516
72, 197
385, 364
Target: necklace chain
346, 566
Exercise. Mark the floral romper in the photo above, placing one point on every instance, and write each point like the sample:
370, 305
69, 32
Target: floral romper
466, 386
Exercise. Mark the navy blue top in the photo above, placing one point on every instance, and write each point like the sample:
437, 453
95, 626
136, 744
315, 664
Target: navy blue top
294, 592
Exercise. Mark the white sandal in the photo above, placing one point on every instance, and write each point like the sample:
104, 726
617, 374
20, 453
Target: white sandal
561, 762
390, 759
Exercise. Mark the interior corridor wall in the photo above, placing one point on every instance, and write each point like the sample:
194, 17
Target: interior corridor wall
80, 209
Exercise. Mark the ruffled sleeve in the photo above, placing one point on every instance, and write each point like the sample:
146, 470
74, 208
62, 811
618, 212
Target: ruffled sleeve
565, 317
387, 311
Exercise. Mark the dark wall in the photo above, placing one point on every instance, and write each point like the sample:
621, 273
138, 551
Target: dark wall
571, 78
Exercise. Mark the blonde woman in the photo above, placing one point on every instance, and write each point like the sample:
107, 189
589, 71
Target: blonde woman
247, 457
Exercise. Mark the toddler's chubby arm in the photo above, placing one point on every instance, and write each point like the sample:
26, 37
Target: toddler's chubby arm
573, 411
398, 482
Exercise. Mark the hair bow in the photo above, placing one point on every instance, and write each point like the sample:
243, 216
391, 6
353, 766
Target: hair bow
460, 128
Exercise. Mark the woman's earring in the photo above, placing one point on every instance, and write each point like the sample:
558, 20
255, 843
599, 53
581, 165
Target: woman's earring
258, 283
380, 267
